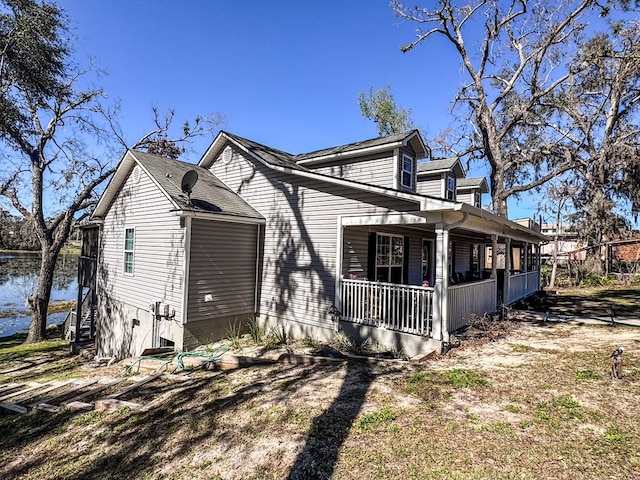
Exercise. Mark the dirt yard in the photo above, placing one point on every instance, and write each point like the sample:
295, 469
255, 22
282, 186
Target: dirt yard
536, 403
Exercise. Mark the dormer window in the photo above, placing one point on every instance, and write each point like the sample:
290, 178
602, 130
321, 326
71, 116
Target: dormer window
451, 188
476, 198
407, 178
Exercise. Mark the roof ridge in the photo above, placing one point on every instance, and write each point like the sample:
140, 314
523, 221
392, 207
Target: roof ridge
360, 142
238, 137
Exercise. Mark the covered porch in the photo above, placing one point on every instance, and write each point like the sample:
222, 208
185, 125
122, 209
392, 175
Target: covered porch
424, 273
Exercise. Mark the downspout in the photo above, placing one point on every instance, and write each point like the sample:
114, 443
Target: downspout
187, 269
257, 279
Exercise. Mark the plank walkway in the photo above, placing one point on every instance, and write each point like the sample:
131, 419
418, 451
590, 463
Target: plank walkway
85, 394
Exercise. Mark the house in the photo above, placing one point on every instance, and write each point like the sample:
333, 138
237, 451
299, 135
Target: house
565, 239
340, 239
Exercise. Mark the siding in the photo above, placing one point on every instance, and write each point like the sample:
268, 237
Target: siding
432, 186
355, 256
373, 170
466, 197
158, 267
462, 255
298, 281
222, 264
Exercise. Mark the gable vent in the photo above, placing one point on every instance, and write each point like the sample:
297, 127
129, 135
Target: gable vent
135, 175
227, 154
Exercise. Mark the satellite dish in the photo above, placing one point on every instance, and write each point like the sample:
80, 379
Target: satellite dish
188, 181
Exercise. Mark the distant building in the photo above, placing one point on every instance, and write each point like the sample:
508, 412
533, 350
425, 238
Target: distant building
569, 248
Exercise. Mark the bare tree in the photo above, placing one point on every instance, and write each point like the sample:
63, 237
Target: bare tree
596, 113
514, 66
59, 140
558, 203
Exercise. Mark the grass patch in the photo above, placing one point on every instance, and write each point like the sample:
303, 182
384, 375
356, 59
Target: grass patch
13, 348
500, 428
513, 408
463, 378
517, 347
372, 420
614, 434
587, 375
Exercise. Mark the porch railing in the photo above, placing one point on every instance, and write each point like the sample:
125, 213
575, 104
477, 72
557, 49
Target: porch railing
468, 298
403, 308
522, 285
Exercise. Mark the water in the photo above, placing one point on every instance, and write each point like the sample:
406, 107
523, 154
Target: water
19, 277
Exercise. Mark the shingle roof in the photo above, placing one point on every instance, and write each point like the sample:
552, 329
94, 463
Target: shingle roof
476, 182
268, 154
209, 194
374, 142
436, 165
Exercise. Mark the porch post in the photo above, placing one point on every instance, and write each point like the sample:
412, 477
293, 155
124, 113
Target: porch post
338, 284
440, 306
525, 266
507, 271
494, 256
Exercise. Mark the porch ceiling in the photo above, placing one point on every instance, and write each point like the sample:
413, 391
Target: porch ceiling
459, 217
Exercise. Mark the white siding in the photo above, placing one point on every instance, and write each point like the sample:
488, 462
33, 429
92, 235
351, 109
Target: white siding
433, 187
465, 197
355, 255
157, 275
371, 170
300, 236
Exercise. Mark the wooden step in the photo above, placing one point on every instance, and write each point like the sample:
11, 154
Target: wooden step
30, 387
80, 384
137, 384
93, 391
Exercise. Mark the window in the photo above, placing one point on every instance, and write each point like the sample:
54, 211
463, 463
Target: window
451, 188
407, 172
516, 259
488, 257
476, 199
129, 240
389, 257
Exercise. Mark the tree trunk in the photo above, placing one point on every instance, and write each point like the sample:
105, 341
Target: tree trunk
498, 199
556, 244
39, 300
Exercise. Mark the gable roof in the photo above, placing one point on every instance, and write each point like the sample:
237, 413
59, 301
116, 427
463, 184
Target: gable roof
365, 147
440, 166
471, 183
209, 195
268, 154
280, 161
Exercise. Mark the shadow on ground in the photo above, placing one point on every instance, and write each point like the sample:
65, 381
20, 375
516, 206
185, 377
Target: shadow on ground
622, 302
218, 416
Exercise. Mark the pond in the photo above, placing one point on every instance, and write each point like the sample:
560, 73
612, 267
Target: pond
19, 277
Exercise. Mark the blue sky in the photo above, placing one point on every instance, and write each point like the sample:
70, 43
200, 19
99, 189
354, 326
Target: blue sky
286, 73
